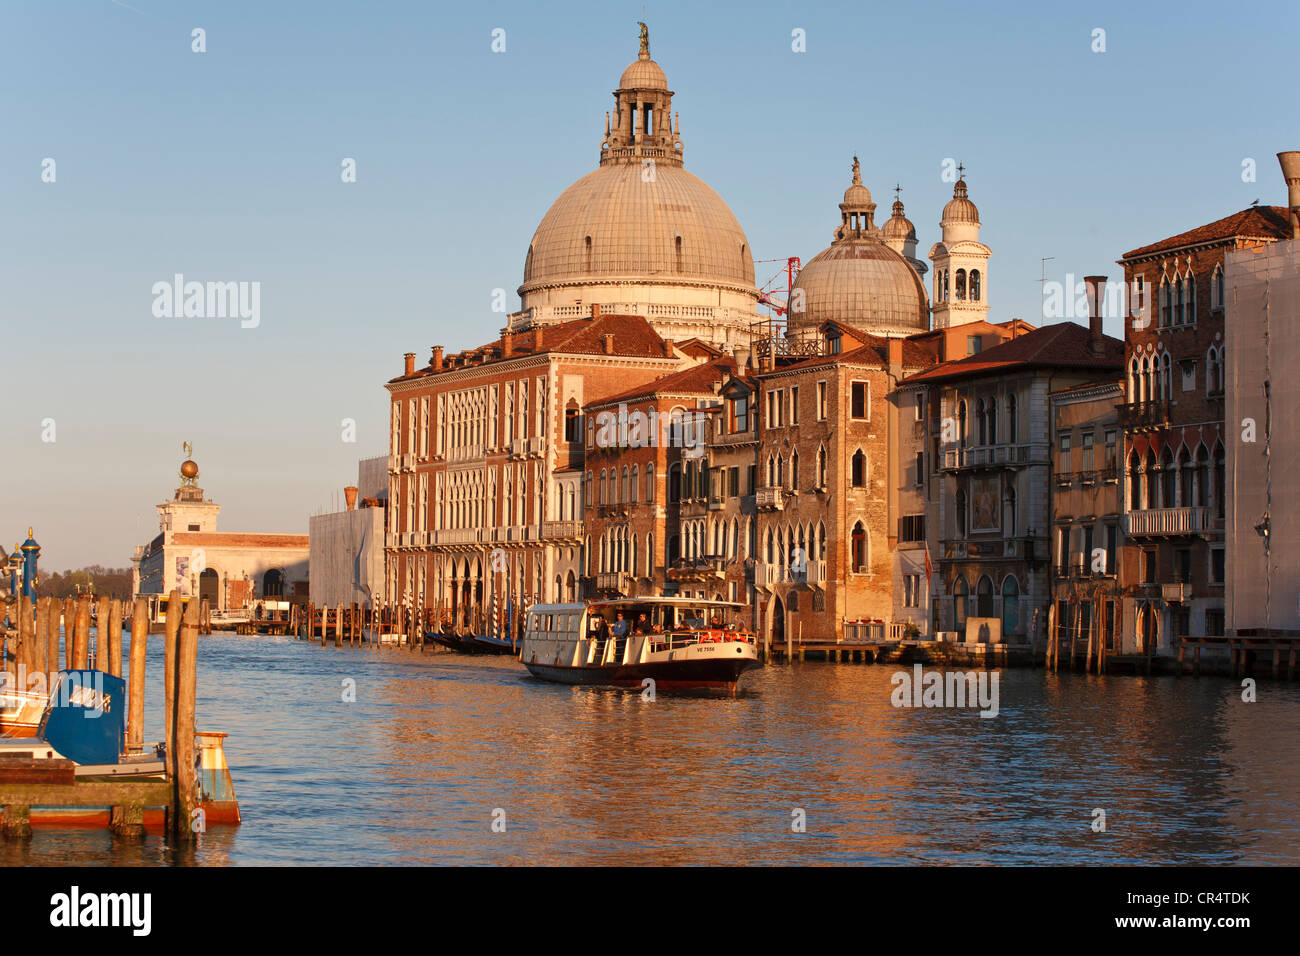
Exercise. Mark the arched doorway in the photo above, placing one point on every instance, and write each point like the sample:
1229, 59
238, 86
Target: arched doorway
984, 597
209, 587
1010, 606
273, 584
1148, 629
778, 621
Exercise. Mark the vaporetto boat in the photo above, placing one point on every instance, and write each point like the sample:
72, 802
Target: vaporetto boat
678, 643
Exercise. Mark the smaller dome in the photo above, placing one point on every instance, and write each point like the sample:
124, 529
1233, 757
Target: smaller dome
959, 208
857, 195
643, 74
898, 226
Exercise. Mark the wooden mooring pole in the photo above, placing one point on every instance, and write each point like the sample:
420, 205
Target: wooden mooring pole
135, 687
182, 740
171, 635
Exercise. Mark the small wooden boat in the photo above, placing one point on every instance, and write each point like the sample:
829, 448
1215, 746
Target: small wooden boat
20, 712
461, 643
679, 644
496, 645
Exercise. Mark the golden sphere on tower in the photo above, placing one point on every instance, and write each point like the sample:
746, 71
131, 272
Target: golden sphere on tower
189, 469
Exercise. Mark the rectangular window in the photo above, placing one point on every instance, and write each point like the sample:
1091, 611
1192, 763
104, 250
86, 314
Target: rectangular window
1112, 543
794, 405
920, 406
1216, 566
1087, 549
733, 482
1087, 440
911, 528
1214, 622
821, 401
1063, 456
911, 590
973, 344
1148, 567
920, 468
1110, 448
1189, 375
860, 398
1184, 565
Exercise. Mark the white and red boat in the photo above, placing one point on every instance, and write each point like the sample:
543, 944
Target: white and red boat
678, 643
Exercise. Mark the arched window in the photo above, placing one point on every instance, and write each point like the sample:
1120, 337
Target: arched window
1190, 283
1010, 605
794, 470
1218, 479
944, 297
1013, 430
1216, 288
1212, 371
1168, 480
1180, 301
961, 421
627, 487
821, 541
1166, 304
993, 421
636, 485
859, 542
1009, 512
1166, 378
974, 285
572, 423
650, 483
600, 488
821, 466
981, 423
675, 482
1135, 482
587, 249
1134, 381
961, 285
1150, 491
961, 512
859, 471
1202, 475
1186, 478
960, 604
679, 253
984, 597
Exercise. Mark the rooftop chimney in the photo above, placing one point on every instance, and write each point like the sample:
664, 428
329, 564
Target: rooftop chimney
507, 343
1096, 289
410, 363
537, 338
595, 311
895, 356
437, 358
350, 496
1291, 173
608, 338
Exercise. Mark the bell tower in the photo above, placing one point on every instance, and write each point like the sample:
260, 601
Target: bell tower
960, 263
642, 127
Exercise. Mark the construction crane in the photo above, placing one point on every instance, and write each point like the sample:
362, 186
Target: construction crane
792, 266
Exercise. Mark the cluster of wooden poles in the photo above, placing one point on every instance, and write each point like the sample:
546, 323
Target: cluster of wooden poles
35, 650
360, 623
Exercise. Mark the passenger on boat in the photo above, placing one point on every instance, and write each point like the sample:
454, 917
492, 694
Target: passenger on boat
620, 626
643, 624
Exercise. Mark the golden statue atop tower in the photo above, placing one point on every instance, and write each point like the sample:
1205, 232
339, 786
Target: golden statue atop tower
189, 468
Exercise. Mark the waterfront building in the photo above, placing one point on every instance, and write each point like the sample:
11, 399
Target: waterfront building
232, 569
1176, 483
988, 435
1262, 533
347, 547
1085, 513
647, 487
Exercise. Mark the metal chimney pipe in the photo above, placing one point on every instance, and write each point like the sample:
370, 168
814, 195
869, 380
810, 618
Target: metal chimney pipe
1290, 162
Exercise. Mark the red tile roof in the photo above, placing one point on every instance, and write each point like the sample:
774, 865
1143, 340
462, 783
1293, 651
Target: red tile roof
696, 380
1061, 345
1255, 222
633, 338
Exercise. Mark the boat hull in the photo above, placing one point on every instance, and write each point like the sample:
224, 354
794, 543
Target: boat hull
705, 674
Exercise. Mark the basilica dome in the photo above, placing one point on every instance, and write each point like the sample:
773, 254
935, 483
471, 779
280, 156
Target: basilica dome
859, 280
641, 233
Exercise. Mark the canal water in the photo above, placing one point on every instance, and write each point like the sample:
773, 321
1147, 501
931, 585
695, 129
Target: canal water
445, 759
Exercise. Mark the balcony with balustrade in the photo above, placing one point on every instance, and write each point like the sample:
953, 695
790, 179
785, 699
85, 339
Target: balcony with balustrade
770, 499
986, 457
1144, 416
1166, 522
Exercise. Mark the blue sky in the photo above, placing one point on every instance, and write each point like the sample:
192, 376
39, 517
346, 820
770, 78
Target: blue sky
225, 166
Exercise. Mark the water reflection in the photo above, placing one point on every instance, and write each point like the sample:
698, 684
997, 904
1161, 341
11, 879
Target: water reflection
413, 770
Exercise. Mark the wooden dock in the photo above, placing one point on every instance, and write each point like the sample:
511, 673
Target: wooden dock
37, 790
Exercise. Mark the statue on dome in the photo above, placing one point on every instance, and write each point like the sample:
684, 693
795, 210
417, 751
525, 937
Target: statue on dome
645, 40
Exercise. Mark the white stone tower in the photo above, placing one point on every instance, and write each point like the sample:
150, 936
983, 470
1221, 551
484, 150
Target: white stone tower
960, 264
